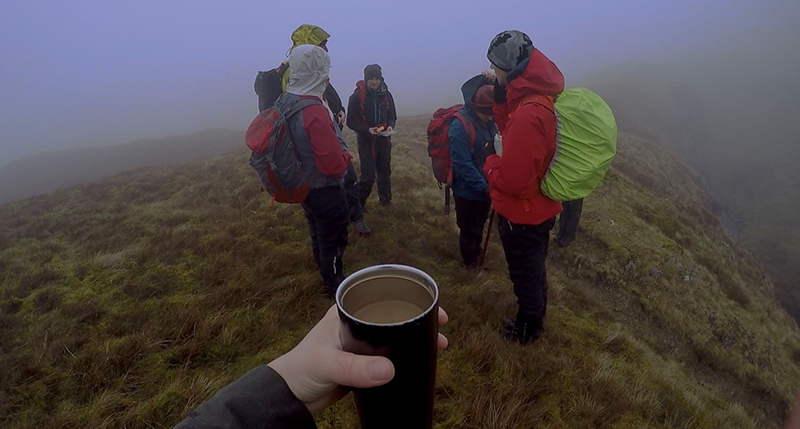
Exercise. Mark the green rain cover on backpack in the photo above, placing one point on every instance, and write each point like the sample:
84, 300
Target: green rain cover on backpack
586, 144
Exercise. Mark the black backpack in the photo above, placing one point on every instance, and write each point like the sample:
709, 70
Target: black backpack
268, 86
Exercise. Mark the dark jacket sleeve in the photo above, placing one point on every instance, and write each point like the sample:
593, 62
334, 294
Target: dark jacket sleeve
333, 99
353, 113
464, 169
391, 114
260, 399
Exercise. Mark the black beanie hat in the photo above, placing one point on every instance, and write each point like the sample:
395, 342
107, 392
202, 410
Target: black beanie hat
372, 71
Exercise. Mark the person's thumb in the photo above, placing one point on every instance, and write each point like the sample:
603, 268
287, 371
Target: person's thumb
352, 370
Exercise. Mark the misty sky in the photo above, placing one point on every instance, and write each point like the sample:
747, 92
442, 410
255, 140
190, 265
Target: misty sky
86, 73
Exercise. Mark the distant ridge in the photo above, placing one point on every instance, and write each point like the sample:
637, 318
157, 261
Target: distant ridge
49, 171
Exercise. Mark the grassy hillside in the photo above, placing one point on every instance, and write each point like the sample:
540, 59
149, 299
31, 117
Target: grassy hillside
46, 172
742, 138
129, 302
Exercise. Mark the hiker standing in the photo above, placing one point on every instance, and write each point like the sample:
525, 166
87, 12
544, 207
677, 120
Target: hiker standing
471, 138
568, 222
320, 147
371, 115
527, 82
355, 208
269, 85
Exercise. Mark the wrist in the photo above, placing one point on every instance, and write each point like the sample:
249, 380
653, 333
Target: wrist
282, 367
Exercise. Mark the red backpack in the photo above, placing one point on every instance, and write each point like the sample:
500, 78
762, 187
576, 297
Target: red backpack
274, 156
439, 146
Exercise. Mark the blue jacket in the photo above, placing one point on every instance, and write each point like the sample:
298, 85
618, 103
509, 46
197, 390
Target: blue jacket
467, 155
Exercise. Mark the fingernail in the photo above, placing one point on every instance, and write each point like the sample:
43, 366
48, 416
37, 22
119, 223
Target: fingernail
379, 370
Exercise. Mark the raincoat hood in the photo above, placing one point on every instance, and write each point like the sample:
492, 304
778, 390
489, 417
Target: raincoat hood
470, 87
307, 34
310, 66
535, 75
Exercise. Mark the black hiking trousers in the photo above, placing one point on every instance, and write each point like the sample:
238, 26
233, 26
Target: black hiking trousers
568, 221
354, 208
525, 247
471, 217
327, 215
376, 159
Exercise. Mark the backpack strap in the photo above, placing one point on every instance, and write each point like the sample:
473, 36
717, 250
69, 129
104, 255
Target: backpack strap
300, 105
468, 127
543, 100
362, 96
548, 103
361, 90
362, 101
471, 133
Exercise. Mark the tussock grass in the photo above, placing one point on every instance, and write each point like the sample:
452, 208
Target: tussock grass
127, 303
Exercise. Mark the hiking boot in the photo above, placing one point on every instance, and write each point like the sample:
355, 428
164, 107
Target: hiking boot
564, 241
362, 228
521, 332
387, 204
475, 268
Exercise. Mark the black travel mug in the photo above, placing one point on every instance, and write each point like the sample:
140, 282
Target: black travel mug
393, 311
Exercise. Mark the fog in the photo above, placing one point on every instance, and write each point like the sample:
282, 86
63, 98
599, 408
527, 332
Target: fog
91, 73
716, 82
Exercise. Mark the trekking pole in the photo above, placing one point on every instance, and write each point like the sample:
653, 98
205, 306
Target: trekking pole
486, 240
447, 200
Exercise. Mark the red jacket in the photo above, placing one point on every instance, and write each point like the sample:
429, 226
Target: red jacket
329, 156
529, 142
318, 142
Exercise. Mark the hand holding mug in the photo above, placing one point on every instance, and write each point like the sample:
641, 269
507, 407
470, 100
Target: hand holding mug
319, 372
393, 311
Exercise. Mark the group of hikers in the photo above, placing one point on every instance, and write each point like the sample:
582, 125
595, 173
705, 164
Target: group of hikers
300, 88
488, 173
495, 103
